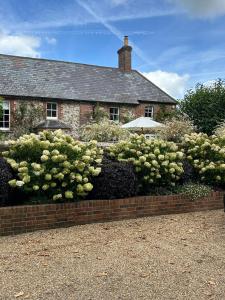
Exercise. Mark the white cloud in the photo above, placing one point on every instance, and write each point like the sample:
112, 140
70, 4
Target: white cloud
210, 83
119, 2
202, 8
172, 83
50, 41
19, 45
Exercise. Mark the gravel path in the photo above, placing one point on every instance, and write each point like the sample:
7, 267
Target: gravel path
165, 257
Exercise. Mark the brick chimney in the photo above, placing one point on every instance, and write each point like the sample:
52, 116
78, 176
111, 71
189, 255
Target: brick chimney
124, 54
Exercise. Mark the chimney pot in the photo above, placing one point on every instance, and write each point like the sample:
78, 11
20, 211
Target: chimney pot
126, 40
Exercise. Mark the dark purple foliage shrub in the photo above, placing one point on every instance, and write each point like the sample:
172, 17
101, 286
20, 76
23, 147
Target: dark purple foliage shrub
117, 180
6, 174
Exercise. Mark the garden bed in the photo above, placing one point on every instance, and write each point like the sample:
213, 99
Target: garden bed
20, 219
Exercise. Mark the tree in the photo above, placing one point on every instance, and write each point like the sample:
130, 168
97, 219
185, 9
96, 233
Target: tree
205, 105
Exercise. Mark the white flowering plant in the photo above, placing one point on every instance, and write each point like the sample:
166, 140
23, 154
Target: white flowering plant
105, 131
207, 156
53, 164
195, 191
156, 162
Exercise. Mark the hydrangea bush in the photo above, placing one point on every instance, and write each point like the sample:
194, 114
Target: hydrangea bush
156, 162
207, 156
54, 164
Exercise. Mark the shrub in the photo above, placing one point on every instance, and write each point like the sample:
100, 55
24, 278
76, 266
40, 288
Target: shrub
6, 174
156, 162
189, 173
25, 117
220, 130
99, 113
175, 129
53, 164
206, 155
194, 191
128, 116
117, 180
106, 131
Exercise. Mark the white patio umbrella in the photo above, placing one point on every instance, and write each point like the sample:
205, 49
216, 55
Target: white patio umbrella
142, 123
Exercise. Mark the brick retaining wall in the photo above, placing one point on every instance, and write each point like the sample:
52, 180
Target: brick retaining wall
19, 219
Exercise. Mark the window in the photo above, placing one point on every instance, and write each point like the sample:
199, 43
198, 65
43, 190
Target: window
5, 118
149, 111
114, 114
52, 110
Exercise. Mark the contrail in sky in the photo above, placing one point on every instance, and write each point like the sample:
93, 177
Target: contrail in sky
115, 31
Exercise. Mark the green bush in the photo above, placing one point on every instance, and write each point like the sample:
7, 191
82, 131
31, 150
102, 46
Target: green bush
194, 191
54, 164
207, 156
156, 162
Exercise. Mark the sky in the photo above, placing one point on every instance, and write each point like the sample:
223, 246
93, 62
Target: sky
176, 43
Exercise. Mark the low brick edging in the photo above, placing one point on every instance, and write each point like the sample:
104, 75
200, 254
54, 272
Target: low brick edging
20, 219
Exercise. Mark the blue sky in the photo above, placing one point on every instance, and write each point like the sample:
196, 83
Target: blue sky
176, 43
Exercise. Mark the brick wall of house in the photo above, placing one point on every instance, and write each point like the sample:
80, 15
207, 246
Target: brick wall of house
86, 112
20, 219
137, 110
140, 109
76, 114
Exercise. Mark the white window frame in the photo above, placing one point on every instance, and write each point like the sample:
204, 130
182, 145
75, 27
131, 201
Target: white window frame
3, 114
48, 117
113, 114
149, 110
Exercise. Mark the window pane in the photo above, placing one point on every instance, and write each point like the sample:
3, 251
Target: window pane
48, 105
54, 106
5, 105
48, 113
54, 114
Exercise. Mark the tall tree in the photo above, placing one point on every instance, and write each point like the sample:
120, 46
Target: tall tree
205, 105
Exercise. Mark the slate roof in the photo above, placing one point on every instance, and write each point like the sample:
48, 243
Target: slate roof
42, 78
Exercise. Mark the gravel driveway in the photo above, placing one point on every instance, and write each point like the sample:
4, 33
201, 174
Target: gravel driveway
165, 257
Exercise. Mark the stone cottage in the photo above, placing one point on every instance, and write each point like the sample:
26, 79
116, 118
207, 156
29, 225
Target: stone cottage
69, 92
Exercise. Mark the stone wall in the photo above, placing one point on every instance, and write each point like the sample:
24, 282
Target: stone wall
70, 114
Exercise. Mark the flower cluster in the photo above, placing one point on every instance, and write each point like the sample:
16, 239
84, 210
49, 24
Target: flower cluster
194, 191
156, 161
54, 164
207, 156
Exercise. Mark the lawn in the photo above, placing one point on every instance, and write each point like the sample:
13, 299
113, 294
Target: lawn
166, 257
